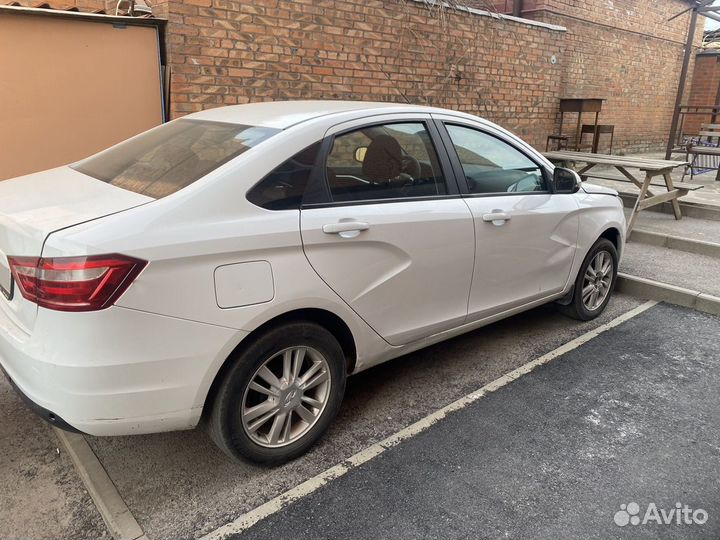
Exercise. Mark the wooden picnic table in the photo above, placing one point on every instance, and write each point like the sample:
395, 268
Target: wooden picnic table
650, 167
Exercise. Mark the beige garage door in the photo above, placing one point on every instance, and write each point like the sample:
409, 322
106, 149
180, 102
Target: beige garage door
71, 86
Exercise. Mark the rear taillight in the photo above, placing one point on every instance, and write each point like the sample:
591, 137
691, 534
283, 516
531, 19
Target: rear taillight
74, 283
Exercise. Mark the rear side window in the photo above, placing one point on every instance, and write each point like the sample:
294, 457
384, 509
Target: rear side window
390, 161
172, 156
284, 187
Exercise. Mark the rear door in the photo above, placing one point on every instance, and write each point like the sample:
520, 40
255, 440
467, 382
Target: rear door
526, 235
392, 236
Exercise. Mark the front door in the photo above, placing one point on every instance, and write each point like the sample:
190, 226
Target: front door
526, 235
395, 241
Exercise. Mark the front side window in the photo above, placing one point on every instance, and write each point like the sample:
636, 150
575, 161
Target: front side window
172, 156
491, 165
384, 162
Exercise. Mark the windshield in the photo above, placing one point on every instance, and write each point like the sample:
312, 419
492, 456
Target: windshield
172, 156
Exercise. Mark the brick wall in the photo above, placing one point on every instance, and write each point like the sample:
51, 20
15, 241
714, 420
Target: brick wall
648, 18
704, 89
642, 17
227, 52
224, 52
627, 52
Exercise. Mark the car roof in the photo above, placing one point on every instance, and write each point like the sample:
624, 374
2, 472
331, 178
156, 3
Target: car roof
283, 114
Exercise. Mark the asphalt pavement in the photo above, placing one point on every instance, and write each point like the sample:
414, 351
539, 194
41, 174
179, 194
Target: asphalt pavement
178, 485
629, 417
604, 442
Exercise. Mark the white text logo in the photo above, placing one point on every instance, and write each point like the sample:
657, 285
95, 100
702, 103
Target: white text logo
629, 514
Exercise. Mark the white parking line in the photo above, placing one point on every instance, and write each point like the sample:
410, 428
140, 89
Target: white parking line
250, 518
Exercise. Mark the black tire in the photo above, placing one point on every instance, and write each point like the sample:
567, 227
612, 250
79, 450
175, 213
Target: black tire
225, 422
576, 308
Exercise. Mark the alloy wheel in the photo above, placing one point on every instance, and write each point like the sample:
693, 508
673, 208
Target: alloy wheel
286, 396
597, 280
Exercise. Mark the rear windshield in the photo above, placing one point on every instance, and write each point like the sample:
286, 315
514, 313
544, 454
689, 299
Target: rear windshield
172, 156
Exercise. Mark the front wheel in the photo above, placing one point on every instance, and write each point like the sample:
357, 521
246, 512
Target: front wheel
280, 395
594, 283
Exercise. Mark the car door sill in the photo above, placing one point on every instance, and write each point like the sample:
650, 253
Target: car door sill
509, 308
395, 352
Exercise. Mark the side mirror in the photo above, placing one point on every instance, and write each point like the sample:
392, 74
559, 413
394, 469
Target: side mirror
360, 152
565, 180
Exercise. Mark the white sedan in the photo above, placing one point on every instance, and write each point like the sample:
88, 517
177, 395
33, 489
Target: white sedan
235, 265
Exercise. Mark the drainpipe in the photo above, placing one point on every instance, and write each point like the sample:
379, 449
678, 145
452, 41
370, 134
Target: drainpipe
517, 8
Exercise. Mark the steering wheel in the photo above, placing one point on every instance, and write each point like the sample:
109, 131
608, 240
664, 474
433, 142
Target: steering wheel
529, 183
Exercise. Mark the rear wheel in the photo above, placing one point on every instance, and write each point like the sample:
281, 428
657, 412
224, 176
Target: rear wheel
594, 283
280, 395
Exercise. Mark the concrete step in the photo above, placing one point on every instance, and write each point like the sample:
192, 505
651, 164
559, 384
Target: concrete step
664, 292
691, 271
698, 236
705, 230
675, 242
673, 261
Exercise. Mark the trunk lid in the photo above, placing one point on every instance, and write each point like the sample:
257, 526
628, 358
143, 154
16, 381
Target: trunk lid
33, 206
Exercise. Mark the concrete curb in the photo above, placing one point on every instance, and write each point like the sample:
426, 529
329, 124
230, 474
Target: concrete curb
115, 513
699, 247
664, 292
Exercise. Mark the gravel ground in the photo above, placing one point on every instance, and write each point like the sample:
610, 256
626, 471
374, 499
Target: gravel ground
41, 495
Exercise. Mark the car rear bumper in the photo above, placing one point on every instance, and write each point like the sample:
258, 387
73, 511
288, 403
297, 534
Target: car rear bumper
117, 371
42, 412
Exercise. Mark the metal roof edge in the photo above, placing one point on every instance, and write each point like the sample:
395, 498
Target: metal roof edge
493, 15
82, 15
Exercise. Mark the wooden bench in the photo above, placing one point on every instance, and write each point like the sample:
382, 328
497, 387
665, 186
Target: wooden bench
684, 187
710, 132
696, 153
703, 154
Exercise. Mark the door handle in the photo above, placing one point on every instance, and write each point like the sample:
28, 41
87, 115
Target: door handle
497, 218
345, 227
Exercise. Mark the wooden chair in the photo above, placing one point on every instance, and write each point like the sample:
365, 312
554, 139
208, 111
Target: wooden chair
560, 141
703, 152
596, 131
